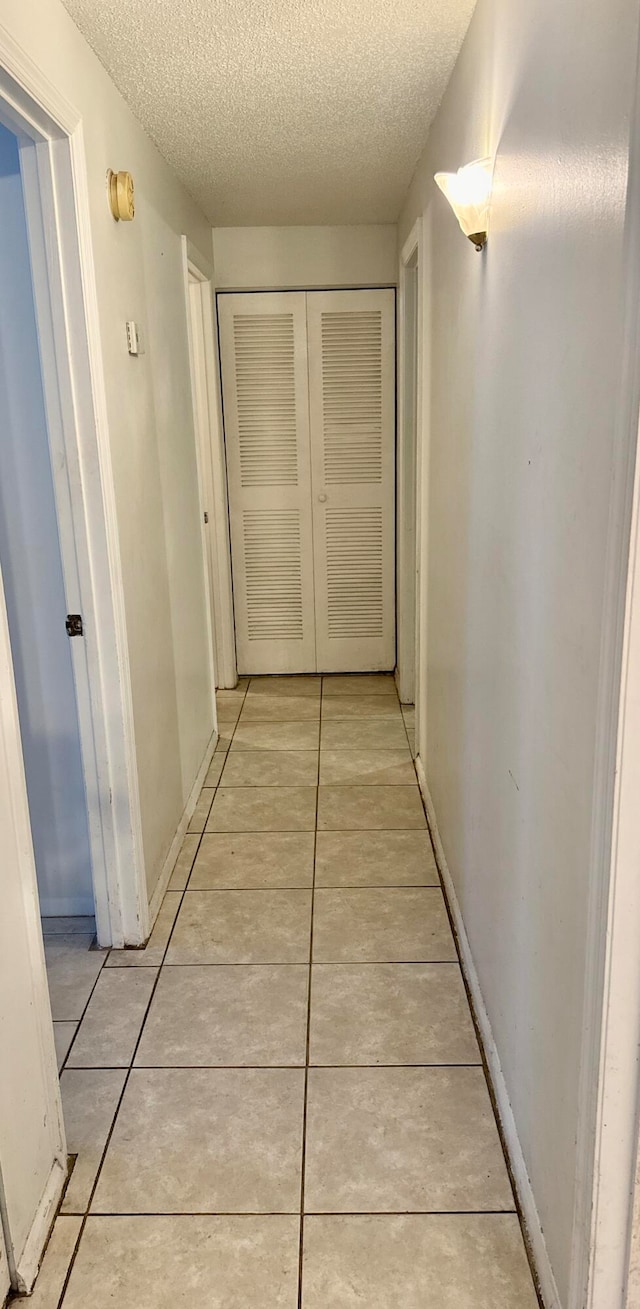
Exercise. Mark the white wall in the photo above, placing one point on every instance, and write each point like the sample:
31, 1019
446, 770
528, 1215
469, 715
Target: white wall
521, 384
266, 258
152, 442
34, 586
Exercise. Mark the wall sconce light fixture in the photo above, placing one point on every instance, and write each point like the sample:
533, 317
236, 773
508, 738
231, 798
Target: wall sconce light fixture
469, 194
120, 193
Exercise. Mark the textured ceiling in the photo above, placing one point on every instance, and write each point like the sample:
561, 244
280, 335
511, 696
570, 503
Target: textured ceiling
283, 111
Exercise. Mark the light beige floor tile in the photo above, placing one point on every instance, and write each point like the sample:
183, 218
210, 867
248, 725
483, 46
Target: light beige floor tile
72, 969
350, 684
184, 862
253, 859
153, 953
416, 1261
242, 927
276, 736
215, 769
409, 714
55, 1265
369, 808
201, 812
89, 1101
298, 684
271, 768
280, 708
364, 734
339, 707
186, 1262
63, 1034
263, 809
375, 859
111, 1026
366, 767
223, 742
229, 703
227, 722
402, 1139
255, 1016
390, 1014
381, 925
201, 1140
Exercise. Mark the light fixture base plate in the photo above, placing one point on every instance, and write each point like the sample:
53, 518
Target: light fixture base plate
479, 239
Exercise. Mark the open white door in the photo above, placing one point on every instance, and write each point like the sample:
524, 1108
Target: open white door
351, 343
33, 1160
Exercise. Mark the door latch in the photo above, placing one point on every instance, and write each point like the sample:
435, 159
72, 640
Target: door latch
74, 625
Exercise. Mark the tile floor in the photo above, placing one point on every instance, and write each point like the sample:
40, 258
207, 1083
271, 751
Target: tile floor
280, 1102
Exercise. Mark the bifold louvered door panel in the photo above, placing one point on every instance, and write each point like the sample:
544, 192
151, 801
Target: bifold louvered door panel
351, 348
263, 346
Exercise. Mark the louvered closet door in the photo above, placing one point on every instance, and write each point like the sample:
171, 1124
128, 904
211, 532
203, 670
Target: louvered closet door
265, 393
351, 344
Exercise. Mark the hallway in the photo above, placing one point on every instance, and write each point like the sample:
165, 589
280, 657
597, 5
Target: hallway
211, 1104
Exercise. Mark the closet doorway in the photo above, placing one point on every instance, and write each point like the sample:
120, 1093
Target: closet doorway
308, 386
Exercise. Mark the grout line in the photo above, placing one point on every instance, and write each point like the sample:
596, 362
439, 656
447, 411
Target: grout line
303, 1156
295, 1213
292, 963
306, 886
263, 1068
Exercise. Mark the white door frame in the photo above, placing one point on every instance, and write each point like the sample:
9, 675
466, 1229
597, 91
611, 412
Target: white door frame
412, 464
212, 470
53, 167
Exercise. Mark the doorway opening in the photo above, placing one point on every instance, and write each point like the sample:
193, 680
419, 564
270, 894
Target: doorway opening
59, 507
34, 584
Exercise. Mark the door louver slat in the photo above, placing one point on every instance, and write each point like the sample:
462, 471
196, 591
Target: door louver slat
273, 572
352, 397
264, 357
354, 573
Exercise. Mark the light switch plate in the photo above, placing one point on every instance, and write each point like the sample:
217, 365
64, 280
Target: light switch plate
134, 339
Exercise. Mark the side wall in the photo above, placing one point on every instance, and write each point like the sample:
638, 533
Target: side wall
521, 376
280, 258
139, 276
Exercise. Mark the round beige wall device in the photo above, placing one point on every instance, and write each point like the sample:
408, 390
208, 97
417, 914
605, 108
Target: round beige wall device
120, 188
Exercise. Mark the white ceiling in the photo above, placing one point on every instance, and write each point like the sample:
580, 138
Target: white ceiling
283, 111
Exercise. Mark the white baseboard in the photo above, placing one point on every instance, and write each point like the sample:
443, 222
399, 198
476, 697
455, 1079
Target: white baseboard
526, 1200
29, 1262
174, 849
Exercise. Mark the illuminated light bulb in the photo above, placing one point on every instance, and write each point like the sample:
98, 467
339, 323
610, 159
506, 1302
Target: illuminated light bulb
469, 194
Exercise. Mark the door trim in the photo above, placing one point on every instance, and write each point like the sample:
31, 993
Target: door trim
408, 443
58, 214
213, 470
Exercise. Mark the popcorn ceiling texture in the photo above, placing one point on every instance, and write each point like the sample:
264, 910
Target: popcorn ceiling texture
283, 111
